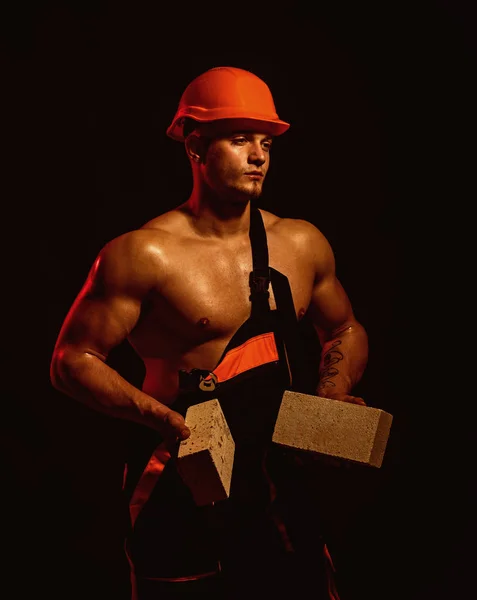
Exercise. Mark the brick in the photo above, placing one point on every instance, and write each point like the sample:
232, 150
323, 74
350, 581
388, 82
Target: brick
205, 459
333, 428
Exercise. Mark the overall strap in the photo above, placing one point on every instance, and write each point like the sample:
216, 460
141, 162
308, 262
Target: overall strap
259, 279
302, 375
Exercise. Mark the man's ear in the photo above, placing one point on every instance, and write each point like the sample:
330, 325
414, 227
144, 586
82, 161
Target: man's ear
194, 147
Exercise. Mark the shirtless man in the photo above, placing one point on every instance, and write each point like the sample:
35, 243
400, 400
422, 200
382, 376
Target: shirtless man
178, 290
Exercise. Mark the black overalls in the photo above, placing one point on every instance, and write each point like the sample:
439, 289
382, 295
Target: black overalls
259, 539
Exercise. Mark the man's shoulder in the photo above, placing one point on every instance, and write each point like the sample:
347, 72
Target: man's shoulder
136, 260
291, 227
134, 253
166, 222
132, 241
149, 236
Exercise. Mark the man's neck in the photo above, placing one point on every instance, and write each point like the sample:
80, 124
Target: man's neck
213, 218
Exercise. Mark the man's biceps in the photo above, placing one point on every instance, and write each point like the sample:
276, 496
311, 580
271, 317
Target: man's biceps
329, 295
95, 324
328, 312
109, 308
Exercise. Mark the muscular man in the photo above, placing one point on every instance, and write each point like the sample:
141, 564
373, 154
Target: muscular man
209, 295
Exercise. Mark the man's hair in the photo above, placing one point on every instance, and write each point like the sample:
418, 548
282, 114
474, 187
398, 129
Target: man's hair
189, 126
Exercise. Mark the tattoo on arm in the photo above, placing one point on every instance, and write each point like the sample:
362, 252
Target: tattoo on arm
329, 370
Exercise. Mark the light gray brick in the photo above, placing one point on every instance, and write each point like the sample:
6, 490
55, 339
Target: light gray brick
205, 459
333, 428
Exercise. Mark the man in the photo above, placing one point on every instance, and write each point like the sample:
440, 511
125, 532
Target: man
210, 295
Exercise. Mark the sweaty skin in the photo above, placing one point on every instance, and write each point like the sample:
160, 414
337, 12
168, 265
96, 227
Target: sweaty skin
177, 290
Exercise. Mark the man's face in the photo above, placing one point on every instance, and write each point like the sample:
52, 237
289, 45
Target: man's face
236, 164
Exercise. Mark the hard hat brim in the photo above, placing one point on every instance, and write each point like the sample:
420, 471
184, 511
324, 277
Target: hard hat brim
273, 127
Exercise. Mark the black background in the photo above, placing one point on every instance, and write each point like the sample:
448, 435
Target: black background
380, 156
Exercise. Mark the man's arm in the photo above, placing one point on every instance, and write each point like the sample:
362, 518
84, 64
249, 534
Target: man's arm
101, 317
344, 341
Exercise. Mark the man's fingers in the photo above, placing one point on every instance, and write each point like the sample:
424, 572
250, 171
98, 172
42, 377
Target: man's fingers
348, 398
176, 426
357, 400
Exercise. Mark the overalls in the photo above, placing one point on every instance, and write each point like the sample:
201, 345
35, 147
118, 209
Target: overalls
259, 538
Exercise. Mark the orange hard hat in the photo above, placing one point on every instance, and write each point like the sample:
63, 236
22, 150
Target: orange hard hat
227, 93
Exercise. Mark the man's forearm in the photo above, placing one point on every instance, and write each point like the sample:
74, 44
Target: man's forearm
343, 361
89, 380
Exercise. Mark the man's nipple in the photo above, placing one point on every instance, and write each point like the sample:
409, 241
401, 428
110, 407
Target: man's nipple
203, 322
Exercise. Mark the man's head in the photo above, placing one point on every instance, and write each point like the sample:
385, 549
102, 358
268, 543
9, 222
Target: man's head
227, 119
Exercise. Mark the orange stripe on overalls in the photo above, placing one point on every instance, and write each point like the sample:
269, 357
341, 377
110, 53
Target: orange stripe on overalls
256, 351
148, 480
330, 570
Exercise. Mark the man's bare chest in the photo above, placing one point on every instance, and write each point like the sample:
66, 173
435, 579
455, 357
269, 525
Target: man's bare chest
206, 295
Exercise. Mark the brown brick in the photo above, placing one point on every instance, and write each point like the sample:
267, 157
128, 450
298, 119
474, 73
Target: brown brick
333, 428
205, 459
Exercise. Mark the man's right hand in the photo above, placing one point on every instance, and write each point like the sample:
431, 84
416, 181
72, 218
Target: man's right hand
175, 429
